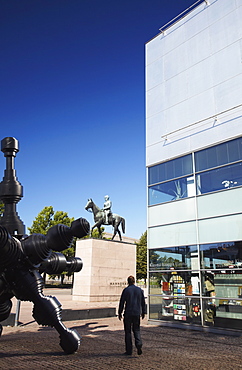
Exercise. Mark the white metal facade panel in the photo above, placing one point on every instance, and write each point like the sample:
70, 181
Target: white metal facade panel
194, 71
224, 33
222, 203
221, 229
228, 94
222, 7
177, 211
172, 235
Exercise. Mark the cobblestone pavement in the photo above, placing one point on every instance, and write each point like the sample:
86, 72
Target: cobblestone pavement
102, 347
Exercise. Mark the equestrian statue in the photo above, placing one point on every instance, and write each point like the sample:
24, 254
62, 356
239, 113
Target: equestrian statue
105, 217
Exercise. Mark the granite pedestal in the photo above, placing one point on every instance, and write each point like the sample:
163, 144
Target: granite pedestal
106, 266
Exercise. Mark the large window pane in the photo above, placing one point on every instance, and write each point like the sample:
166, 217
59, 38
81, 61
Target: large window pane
170, 309
170, 170
221, 178
171, 190
219, 155
225, 284
223, 313
221, 255
175, 284
155, 307
174, 258
172, 296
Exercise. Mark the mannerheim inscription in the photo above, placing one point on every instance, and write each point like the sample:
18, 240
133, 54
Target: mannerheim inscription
118, 283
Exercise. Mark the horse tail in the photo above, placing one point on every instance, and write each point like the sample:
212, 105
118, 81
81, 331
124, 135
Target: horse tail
123, 225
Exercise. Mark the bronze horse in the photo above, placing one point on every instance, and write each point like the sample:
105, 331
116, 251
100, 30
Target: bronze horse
99, 218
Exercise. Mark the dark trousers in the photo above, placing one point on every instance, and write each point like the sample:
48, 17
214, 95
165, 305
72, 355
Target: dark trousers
132, 322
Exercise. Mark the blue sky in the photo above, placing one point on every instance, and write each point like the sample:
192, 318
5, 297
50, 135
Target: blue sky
73, 93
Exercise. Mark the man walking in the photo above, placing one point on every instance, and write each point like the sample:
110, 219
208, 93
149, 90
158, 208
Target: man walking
133, 298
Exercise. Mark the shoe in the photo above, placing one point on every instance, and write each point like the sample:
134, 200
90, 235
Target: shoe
127, 354
139, 351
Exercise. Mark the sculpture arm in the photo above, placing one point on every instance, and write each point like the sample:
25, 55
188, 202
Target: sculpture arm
107, 205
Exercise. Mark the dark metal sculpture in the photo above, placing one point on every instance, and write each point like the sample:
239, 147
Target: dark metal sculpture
100, 219
24, 258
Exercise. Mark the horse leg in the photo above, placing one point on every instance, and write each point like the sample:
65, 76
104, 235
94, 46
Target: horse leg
100, 232
119, 233
114, 231
96, 225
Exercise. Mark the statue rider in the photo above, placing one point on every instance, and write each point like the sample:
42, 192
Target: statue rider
107, 208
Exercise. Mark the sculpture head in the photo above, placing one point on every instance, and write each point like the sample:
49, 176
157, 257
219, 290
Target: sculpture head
106, 197
89, 204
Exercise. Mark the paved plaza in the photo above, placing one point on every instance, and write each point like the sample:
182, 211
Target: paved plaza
30, 346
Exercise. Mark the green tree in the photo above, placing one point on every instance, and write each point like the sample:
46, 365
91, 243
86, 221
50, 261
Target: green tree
48, 218
95, 233
141, 257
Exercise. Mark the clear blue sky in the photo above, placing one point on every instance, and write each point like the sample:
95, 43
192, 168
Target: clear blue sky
72, 92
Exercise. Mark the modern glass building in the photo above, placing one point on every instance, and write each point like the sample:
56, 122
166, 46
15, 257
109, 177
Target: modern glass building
194, 167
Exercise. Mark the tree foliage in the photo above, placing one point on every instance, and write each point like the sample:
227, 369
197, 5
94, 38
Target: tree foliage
95, 233
141, 257
48, 218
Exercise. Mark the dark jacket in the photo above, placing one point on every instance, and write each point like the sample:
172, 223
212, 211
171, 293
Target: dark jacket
133, 298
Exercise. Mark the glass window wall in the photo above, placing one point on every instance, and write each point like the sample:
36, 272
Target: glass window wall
222, 283
218, 179
181, 291
172, 297
198, 284
184, 257
216, 168
224, 305
219, 155
171, 190
173, 283
222, 313
170, 170
221, 255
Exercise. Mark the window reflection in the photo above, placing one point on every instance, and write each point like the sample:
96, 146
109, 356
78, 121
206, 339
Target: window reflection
220, 178
174, 258
222, 283
170, 170
174, 179
225, 313
175, 308
218, 155
221, 255
224, 289
172, 190
176, 300
174, 283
